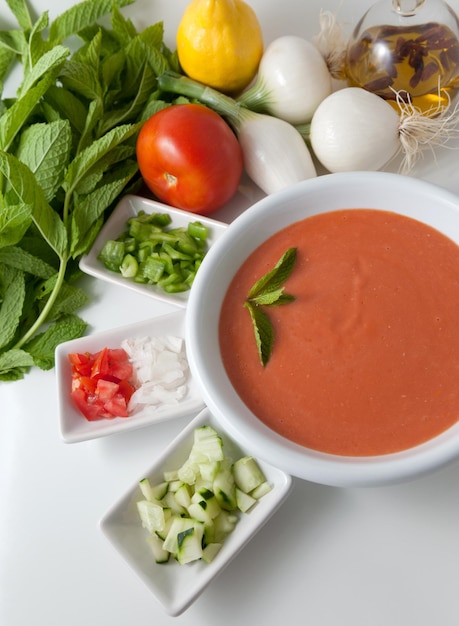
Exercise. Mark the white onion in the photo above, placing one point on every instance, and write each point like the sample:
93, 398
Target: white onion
353, 129
275, 154
160, 370
292, 80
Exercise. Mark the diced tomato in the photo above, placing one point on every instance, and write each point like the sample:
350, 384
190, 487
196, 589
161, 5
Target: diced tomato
117, 406
106, 389
91, 411
81, 363
101, 383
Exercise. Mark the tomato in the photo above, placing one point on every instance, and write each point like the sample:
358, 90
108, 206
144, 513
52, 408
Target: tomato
101, 383
189, 158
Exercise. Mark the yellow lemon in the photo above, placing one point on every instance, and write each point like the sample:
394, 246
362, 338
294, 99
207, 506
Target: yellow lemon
220, 43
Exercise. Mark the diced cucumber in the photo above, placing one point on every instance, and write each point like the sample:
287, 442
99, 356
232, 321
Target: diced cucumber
191, 512
261, 490
152, 515
170, 501
225, 489
210, 552
170, 475
209, 470
184, 539
197, 511
179, 525
190, 544
188, 472
145, 488
247, 474
159, 491
153, 492
174, 485
183, 495
223, 525
208, 501
244, 501
156, 544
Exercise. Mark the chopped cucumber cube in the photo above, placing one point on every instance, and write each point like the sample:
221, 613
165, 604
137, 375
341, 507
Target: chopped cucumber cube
210, 552
156, 544
261, 490
244, 501
247, 474
152, 515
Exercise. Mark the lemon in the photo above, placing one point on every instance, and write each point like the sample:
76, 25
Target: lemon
220, 43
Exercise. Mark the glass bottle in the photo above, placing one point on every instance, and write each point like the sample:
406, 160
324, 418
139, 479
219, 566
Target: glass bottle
407, 46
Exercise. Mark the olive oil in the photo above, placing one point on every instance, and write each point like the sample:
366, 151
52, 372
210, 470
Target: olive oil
420, 62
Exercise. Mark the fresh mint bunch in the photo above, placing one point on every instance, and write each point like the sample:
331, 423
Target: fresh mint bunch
269, 291
67, 153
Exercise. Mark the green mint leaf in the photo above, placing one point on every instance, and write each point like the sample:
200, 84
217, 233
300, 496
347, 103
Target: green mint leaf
68, 107
83, 163
263, 330
88, 210
276, 277
269, 291
82, 79
81, 16
284, 298
21, 13
43, 345
6, 61
48, 64
13, 296
38, 47
25, 262
30, 193
14, 364
123, 28
71, 298
45, 149
144, 86
13, 42
14, 223
14, 118
272, 298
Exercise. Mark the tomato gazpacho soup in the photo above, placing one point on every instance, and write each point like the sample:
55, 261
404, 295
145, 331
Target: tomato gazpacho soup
365, 360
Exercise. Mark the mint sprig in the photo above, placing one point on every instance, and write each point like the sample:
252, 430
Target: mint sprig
269, 291
67, 153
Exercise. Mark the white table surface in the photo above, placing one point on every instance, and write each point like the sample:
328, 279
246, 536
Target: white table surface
385, 556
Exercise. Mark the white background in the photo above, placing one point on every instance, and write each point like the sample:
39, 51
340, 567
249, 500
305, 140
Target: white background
329, 557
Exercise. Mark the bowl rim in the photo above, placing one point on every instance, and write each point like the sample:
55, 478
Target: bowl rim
241, 423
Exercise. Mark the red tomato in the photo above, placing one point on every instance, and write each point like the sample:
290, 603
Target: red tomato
190, 158
101, 386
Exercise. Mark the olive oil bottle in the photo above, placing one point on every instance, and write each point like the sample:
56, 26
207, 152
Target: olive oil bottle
409, 48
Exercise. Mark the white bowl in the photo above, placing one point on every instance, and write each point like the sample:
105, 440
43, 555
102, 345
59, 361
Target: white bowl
177, 586
414, 198
129, 206
74, 426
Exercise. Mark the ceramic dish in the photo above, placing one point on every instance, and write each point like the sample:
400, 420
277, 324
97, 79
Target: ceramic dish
408, 196
129, 206
177, 586
74, 426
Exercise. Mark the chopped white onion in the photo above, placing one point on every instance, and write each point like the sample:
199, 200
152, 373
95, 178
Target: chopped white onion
160, 370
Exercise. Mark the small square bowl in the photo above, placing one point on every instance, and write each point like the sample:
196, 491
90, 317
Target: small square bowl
74, 426
129, 206
177, 586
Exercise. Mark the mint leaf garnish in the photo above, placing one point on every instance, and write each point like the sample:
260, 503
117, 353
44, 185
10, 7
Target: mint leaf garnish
269, 291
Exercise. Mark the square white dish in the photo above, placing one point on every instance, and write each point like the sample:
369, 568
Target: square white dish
74, 426
129, 206
177, 586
